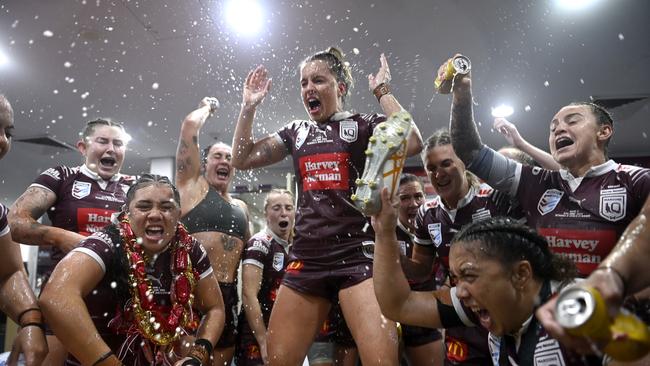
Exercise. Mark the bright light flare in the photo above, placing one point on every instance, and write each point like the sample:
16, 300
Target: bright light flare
502, 111
4, 59
575, 4
245, 17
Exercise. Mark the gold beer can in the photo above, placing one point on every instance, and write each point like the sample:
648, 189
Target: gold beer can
457, 65
582, 312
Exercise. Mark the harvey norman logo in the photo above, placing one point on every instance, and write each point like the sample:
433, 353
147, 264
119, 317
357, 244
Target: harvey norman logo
325, 171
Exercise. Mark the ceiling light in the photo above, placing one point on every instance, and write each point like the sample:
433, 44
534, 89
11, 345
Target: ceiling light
245, 17
4, 60
502, 111
575, 4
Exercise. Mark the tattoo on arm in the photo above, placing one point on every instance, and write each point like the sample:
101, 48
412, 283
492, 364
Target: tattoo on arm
464, 133
267, 150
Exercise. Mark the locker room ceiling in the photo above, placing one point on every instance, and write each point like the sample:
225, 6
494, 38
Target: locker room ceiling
149, 62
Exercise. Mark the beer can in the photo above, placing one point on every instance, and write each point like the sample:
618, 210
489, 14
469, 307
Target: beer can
457, 65
582, 312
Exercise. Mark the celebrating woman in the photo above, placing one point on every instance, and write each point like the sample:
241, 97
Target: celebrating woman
502, 271
153, 272
332, 250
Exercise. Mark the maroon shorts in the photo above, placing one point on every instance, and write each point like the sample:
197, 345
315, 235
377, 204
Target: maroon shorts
325, 280
247, 352
230, 300
418, 336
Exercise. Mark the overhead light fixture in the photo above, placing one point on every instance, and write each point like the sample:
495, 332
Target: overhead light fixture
575, 4
502, 111
245, 17
4, 59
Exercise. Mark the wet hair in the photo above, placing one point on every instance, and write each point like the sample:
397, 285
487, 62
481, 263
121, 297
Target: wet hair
146, 180
508, 242
406, 178
6, 111
92, 125
439, 138
518, 155
603, 117
276, 191
333, 56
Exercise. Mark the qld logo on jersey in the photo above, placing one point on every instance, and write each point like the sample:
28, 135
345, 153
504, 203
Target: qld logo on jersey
348, 131
613, 203
80, 189
549, 201
278, 261
435, 232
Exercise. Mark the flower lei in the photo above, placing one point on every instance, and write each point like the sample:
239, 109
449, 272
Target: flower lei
161, 324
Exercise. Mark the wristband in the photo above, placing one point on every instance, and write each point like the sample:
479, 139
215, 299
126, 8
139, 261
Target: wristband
381, 90
191, 362
103, 358
20, 316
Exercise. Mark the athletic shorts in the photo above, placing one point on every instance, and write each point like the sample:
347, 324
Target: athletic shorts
325, 280
230, 300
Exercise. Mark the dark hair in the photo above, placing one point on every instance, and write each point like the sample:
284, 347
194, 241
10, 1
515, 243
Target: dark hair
507, 241
518, 155
603, 117
337, 66
439, 138
276, 191
146, 180
92, 125
6, 111
408, 178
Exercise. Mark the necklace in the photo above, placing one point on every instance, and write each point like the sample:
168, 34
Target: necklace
158, 323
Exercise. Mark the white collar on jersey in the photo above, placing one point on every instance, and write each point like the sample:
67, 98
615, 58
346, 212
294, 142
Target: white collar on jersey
463, 201
90, 174
339, 116
594, 171
281, 241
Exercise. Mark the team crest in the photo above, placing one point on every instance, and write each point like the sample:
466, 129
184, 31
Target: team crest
278, 261
80, 189
436, 233
549, 201
348, 131
613, 203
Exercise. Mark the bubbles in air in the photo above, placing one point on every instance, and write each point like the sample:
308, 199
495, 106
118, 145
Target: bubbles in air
67, 64
48, 33
546, 83
527, 108
621, 37
155, 86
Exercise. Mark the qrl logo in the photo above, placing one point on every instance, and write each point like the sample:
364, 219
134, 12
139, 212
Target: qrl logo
613, 203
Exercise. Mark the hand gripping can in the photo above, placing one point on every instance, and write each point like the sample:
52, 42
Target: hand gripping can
457, 65
582, 312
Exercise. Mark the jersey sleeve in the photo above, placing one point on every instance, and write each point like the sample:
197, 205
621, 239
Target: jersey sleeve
52, 178
290, 134
99, 247
200, 260
422, 236
256, 252
4, 223
498, 171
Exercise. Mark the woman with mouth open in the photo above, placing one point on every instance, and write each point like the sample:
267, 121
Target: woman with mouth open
78, 201
502, 272
152, 273
332, 250
583, 208
263, 263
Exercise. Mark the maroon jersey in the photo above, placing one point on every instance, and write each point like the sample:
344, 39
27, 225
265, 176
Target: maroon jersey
109, 295
84, 201
406, 241
327, 159
4, 224
582, 218
270, 253
437, 225
531, 345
